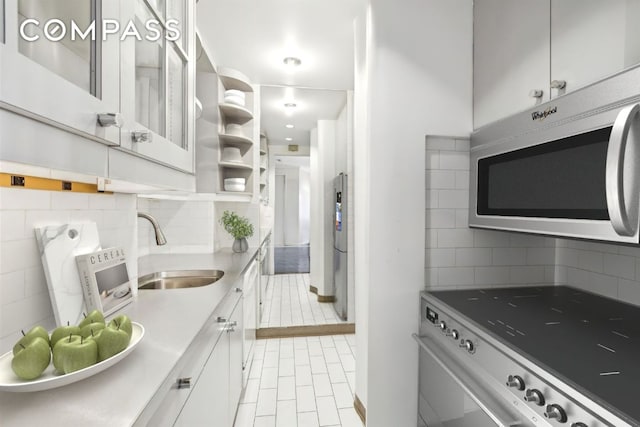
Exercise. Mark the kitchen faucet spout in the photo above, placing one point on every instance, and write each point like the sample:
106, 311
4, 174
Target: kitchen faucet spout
160, 239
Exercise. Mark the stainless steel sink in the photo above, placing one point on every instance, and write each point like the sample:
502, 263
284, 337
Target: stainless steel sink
179, 279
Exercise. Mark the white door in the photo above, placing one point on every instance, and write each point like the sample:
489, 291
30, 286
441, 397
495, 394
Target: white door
55, 78
279, 213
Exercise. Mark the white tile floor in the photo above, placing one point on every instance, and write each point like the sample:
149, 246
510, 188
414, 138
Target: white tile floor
289, 303
301, 382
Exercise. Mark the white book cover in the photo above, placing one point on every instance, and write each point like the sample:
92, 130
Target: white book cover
104, 279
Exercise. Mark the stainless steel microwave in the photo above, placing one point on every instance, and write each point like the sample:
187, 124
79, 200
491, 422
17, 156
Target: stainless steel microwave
569, 167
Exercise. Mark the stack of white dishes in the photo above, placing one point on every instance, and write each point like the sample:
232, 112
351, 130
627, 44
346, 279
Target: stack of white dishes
231, 154
236, 97
234, 184
233, 129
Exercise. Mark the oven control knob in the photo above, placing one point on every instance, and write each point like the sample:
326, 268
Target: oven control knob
555, 412
516, 382
534, 396
578, 425
442, 325
468, 344
454, 334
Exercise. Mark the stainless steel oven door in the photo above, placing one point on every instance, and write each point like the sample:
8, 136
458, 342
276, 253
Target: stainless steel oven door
450, 396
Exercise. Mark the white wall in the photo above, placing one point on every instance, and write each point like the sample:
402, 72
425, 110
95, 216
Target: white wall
322, 172
295, 195
24, 297
422, 50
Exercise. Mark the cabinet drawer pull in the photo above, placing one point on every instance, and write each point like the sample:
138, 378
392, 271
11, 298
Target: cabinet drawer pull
141, 136
110, 119
184, 383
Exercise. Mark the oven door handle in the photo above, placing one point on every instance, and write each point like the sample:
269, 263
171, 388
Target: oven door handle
623, 155
476, 392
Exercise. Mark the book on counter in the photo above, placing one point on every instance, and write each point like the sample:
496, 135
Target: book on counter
104, 279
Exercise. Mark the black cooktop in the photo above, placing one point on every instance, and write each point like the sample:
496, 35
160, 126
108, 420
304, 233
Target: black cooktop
588, 341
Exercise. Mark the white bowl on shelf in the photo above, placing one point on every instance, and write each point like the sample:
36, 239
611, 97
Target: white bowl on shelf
231, 154
235, 92
235, 100
234, 184
233, 129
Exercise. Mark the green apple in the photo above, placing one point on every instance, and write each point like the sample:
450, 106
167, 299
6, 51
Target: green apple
74, 353
122, 322
93, 317
32, 359
91, 329
61, 332
36, 331
111, 340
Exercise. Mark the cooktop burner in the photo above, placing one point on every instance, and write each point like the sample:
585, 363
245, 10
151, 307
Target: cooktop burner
588, 341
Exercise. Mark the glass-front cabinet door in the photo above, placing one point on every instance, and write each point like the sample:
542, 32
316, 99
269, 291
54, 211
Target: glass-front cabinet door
59, 63
157, 82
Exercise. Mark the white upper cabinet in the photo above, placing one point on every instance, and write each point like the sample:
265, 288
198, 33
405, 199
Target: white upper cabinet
158, 82
510, 58
526, 53
592, 39
56, 66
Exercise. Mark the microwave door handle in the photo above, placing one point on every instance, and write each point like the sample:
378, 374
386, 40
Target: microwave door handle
476, 392
622, 172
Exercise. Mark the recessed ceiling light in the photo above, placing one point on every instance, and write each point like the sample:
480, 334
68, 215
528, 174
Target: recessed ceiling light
289, 126
292, 61
288, 139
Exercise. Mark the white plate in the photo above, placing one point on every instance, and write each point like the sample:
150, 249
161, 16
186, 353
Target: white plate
49, 379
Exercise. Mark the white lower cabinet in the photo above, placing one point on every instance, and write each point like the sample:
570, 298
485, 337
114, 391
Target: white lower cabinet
206, 386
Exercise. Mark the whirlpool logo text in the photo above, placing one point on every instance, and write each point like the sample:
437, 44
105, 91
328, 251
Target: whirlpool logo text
541, 115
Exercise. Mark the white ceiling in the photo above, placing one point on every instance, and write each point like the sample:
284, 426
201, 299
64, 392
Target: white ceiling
254, 36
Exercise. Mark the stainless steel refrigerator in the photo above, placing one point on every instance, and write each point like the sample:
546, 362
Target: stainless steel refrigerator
340, 198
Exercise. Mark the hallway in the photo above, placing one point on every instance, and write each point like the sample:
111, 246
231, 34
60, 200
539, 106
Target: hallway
290, 303
302, 381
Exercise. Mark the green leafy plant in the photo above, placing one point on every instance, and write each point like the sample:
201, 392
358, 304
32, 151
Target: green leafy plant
238, 226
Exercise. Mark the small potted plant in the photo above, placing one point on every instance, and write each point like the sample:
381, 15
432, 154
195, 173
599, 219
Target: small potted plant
239, 227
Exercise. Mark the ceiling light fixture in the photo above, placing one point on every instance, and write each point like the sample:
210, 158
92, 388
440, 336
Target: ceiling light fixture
290, 105
289, 126
292, 61
288, 139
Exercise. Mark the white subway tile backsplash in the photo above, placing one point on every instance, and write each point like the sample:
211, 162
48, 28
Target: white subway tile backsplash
510, 256
527, 275
469, 257
491, 239
455, 276
462, 218
62, 200
518, 240
629, 291
456, 199
441, 218
491, 276
440, 143
34, 281
456, 160
462, 180
441, 179
463, 145
455, 238
432, 159
12, 287
540, 256
591, 261
12, 225
102, 201
620, 266
440, 257
13, 198
19, 255
431, 199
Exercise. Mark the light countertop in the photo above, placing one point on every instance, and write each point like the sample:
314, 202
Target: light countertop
119, 395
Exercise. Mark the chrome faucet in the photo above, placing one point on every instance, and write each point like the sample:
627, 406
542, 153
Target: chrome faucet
160, 239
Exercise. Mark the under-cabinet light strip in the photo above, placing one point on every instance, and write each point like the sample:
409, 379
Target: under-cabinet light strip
36, 183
